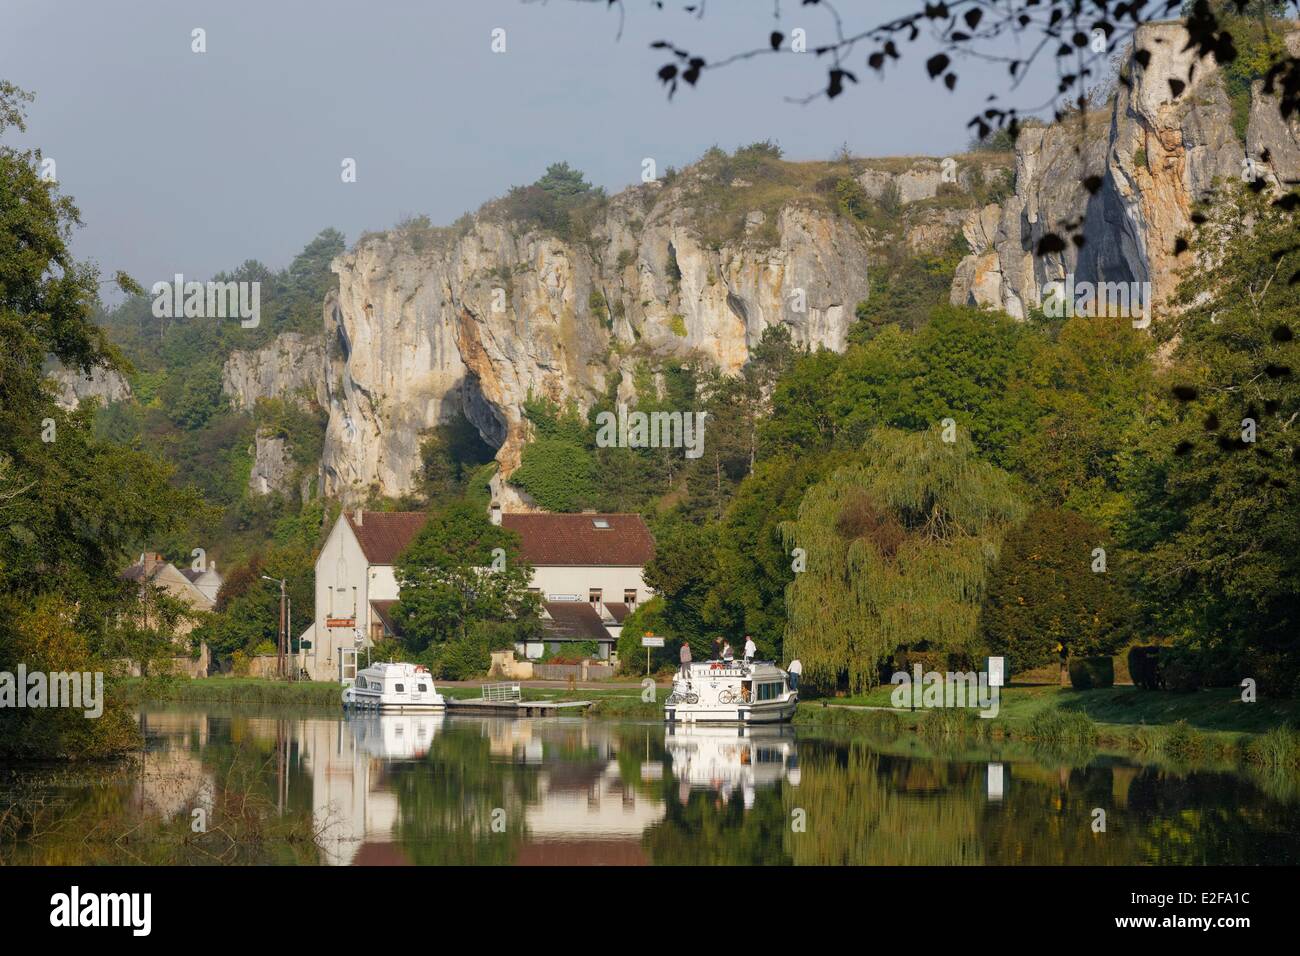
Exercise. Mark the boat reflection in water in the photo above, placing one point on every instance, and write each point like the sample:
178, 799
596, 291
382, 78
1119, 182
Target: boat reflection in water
395, 736
726, 759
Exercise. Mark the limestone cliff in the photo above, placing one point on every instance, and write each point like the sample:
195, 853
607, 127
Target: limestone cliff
429, 323
71, 387
290, 367
1168, 137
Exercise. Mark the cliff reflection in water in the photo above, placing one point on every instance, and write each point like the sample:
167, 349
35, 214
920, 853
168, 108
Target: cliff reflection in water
426, 789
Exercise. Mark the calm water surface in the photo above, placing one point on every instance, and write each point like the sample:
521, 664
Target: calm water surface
218, 785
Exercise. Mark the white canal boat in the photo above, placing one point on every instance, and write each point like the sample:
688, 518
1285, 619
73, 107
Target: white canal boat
731, 692
393, 687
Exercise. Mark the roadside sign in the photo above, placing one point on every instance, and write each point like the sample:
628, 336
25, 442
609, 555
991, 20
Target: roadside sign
648, 641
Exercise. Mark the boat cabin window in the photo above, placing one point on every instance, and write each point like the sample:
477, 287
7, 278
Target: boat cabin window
361, 682
399, 688
769, 691
422, 688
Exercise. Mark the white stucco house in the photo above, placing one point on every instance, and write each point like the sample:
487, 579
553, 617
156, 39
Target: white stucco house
587, 567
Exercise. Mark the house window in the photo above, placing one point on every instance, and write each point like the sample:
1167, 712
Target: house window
376, 630
600, 523
594, 596
629, 596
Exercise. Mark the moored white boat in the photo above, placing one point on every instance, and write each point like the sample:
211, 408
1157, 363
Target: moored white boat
393, 687
731, 692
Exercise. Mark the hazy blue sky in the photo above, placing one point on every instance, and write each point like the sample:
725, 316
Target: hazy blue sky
193, 163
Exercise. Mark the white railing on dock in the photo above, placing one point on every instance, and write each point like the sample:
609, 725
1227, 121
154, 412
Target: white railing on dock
502, 693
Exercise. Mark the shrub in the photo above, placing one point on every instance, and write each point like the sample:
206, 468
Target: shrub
464, 659
1184, 742
1144, 667
1087, 673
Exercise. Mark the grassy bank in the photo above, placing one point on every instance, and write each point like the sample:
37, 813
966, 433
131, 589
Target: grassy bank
1206, 724
240, 690
1220, 709
227, 690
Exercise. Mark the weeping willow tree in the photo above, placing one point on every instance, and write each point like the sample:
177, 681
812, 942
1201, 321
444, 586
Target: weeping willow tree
895, 551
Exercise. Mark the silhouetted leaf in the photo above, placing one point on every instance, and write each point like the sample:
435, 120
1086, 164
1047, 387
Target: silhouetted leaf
937, 64
1049, 244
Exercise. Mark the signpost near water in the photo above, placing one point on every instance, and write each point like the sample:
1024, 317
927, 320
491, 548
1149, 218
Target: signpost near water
648, 642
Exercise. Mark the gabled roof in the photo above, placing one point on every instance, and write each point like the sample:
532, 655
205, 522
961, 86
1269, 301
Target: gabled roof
384, 609
383, 535
572, 540
582, 540
574, 621
617, 610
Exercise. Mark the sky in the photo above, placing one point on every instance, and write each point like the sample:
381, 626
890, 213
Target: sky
195, 162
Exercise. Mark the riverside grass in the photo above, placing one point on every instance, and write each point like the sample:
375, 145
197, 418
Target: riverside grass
1054, 722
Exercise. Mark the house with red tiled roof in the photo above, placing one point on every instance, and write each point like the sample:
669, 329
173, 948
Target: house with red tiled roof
587, 568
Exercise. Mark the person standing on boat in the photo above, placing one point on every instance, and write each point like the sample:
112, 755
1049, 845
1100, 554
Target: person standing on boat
686, 659
727, 653
750, 649
795, 670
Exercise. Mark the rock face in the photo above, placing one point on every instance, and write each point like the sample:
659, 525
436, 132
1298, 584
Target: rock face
1156, 155
1273, 141
427, 326
71, 388
291, 367
272, 466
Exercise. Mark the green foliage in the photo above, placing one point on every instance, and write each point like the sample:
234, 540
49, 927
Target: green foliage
647, 617
905, 289
1044, 595
1216, 518
557, 474
450, 455
963, 364
561, 202
247, 612
451, 579
681, 573
72, 509
898, 548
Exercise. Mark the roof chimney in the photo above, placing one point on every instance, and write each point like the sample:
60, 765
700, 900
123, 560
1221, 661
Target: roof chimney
495, 513
359, 517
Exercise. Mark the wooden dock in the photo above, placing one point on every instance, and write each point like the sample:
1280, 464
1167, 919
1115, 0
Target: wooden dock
518, 708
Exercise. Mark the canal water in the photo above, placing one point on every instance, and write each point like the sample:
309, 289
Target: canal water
216, 784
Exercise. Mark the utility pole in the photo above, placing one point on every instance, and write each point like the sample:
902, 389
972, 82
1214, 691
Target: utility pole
282, 636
